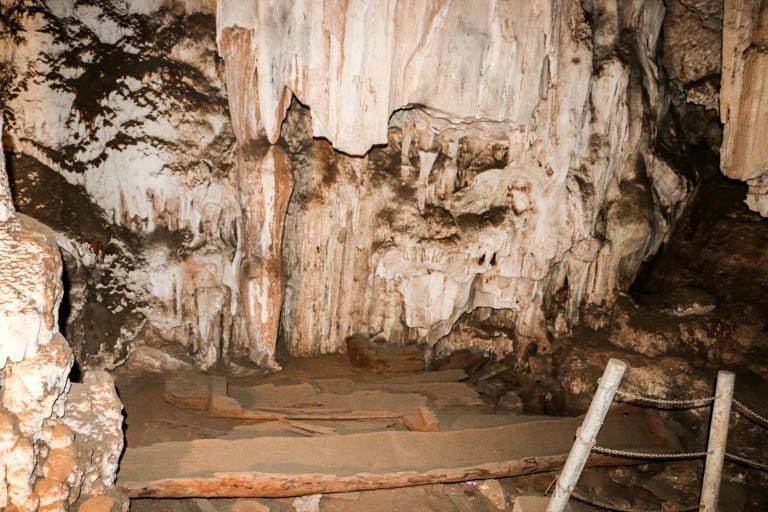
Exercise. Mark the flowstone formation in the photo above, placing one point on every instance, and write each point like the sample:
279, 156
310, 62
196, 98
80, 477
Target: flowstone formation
122, 144
438, 159
744, 99
49, 459
535, 189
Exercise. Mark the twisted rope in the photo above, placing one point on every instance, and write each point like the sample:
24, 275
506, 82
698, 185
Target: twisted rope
647, 455
747, 462
626, 396
749, 413
611, 506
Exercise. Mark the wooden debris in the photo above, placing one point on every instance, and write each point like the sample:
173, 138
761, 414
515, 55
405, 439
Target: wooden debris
187, 391
320, 414
329, 407
425, 420
305, 429
283, 467
383, 356
441, 394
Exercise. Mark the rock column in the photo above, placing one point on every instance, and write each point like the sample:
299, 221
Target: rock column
265, 182
744, 99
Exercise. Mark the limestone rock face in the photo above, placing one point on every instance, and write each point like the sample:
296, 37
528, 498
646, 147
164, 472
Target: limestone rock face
448, 156
356, 62
539, 214
38, 451
693, 48
122, 144
744, 99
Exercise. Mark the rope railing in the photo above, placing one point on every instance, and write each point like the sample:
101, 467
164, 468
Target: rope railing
626, 454
745, 411
619, 508
746, 462
664, 403
580, 495
724, 408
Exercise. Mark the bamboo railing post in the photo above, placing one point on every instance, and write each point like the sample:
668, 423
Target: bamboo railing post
586, 435
718, 436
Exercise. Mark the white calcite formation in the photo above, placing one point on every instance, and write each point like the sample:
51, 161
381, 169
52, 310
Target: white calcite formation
744, 99
518, 171
454, 155
122, 106
94, 413
38, 450
354, 63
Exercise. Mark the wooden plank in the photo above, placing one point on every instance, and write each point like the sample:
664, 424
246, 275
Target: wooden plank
187, 391
454, 375
283, 467
305, 429
304, 402
442, 394
269, 397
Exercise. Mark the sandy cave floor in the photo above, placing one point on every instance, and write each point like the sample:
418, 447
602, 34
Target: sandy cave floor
701, 303
151, 419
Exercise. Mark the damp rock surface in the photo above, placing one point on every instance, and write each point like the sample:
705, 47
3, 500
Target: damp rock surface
120, 142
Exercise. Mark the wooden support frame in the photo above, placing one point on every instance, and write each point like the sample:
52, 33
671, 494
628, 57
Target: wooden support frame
718, 436
586, 435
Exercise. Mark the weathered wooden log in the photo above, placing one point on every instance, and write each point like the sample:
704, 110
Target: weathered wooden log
302, 402
381, 356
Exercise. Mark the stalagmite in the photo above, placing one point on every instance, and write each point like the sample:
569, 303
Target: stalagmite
265, 187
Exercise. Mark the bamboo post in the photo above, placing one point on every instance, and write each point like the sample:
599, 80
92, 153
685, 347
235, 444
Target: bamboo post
586, 435
718, 436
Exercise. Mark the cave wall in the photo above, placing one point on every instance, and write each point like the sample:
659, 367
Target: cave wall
436, 160
744, 98
121, 142
538, 191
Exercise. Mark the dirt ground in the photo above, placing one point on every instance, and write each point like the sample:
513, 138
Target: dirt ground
150, 419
